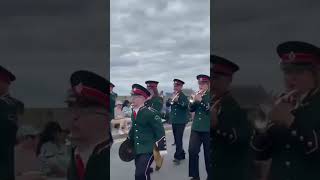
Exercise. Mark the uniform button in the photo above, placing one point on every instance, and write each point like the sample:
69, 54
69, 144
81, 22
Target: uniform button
224, 134
252, 137
199, 112
230, 136
218, 131
288, 146
175, 113
137, 143
310, 144
137, 137
301, 138
199, 118
294, 133
136, 130
288, 163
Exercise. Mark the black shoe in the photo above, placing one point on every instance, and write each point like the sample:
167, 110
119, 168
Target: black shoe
176, 161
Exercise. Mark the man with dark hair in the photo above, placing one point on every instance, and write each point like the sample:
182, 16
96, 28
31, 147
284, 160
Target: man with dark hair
88, 102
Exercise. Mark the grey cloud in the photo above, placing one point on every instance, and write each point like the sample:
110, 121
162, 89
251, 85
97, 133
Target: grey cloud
248, 32
43, 42
164, 39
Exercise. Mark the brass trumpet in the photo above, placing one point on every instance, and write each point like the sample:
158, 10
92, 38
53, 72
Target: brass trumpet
192, 97
174, 98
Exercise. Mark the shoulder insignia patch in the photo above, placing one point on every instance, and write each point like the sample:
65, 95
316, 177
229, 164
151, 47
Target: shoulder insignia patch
157, 117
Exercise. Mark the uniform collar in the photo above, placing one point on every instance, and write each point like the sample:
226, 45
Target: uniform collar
138, 109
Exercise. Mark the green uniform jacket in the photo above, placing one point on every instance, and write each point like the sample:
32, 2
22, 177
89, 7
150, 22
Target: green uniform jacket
230, 142
179, 110
8, 130
155, 103
295, 150
98, 165
113, 98
147, 130
201, 121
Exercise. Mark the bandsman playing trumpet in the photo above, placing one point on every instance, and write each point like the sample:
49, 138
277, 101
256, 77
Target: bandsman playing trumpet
178, 116
229, 127
291, 141
200, 131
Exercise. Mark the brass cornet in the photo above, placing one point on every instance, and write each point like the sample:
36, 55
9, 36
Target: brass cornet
174, 98
192, 97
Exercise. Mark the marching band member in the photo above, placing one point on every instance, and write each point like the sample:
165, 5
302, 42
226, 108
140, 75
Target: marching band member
147, 133
155, 100
9, 127
88, 102
179, 117
291, 141
113, 98
200, 131
230, 128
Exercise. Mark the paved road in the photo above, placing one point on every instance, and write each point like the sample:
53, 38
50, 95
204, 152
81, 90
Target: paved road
125, 171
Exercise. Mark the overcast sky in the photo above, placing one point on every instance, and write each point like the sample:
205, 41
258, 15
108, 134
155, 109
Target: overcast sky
248, 32
159, 40
43, 42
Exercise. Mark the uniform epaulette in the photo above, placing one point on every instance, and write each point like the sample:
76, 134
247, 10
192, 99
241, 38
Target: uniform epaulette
7, 100
152, 109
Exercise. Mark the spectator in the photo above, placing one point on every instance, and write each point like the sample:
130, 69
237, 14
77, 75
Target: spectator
25, 151
120, 115
126, 109
52, 150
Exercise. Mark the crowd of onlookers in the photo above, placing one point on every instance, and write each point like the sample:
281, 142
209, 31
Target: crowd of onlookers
45, 152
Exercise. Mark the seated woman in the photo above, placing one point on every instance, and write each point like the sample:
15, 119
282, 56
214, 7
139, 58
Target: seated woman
52, 151
122, 114
26, 160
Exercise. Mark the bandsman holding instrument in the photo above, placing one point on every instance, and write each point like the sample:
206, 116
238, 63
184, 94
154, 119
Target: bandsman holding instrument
155, 100
200, 132
147, 134
229, 127
179, 117
8, 129
291, 140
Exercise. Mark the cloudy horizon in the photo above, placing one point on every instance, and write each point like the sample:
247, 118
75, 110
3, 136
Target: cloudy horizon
159, 40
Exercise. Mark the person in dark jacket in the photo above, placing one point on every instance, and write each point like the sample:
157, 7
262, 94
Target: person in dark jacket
291, 140
230, 130
9, 109
88, 102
